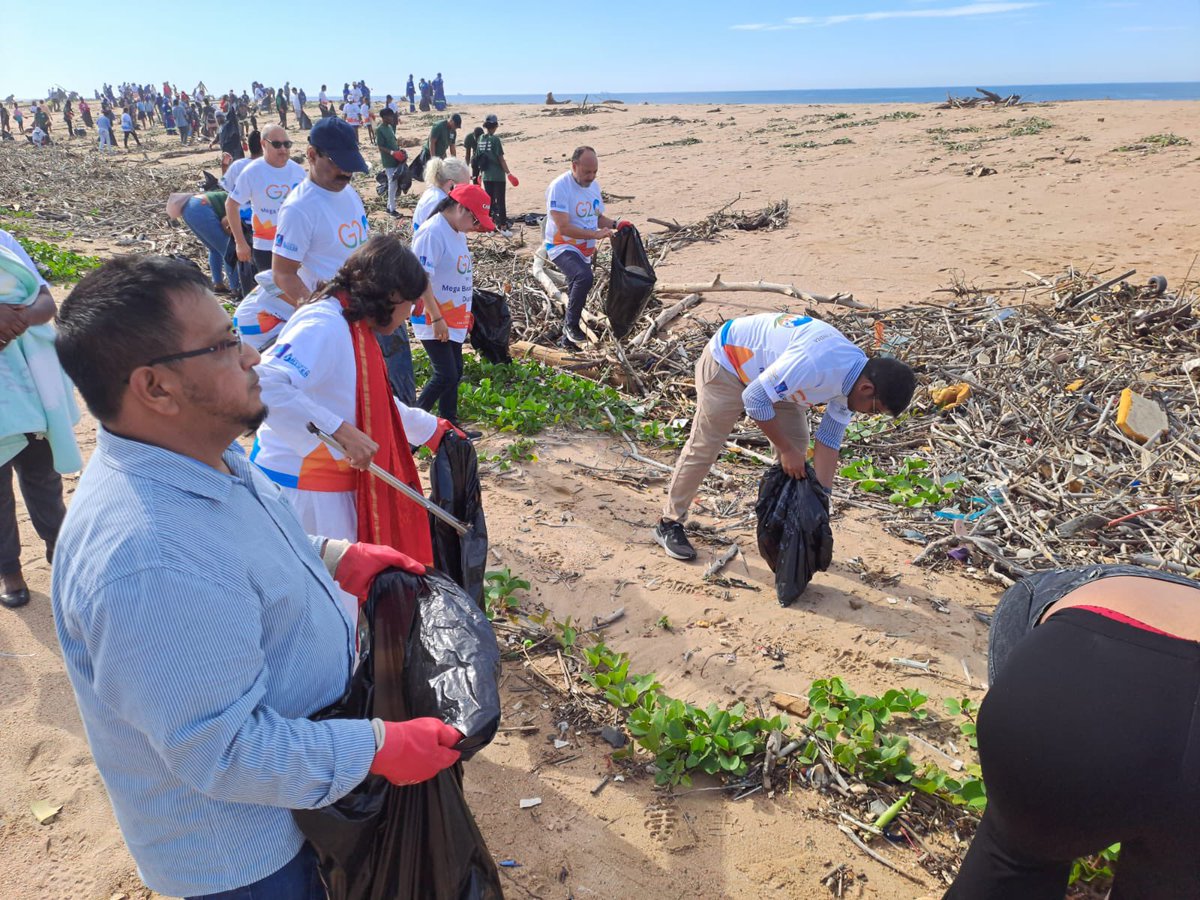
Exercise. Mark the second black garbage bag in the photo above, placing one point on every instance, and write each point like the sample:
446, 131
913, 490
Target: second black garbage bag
425, 650
794, 536
630, 283
491, 329
454, 486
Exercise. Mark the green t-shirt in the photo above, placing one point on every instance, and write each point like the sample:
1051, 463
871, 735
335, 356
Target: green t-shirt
491, 145
441, 139
216, 199
385, 137
470, 142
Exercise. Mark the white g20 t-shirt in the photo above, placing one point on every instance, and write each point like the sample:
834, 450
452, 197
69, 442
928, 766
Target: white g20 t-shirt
426, 204
319, 229
583, 207
229, 179
265, 187
444, 256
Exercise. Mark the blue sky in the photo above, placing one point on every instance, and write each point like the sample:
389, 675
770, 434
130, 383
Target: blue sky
513, 47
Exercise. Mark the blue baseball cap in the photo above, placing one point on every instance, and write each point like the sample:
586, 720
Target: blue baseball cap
336, 139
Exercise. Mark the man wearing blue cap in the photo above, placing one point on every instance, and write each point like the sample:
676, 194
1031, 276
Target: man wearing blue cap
322, 221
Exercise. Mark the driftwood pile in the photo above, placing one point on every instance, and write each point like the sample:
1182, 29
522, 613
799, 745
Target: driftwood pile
989, 98
770, 218
651, 362
1050, 480
114, 199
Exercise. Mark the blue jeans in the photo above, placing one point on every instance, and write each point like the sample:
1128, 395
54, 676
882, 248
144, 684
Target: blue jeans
579, 281
205, 223
398, 355
442, 389
298, 880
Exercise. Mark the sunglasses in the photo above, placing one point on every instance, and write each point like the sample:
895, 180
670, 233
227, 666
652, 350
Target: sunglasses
280, 144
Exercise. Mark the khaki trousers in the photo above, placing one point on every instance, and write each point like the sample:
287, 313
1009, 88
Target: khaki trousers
718, 408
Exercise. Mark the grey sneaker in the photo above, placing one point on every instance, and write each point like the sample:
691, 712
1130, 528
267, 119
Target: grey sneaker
671, 537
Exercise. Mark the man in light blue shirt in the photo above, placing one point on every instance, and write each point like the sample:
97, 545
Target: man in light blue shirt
200, 627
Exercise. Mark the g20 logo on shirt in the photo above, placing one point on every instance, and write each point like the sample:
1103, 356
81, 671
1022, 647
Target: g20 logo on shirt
277, 191
353, 234
583, 209
789, 321
464, 264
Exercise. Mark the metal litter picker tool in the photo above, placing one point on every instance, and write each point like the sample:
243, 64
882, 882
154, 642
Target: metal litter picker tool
388, 478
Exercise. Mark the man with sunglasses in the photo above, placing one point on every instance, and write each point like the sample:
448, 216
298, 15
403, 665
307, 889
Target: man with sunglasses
264, 184
200, 626
774, 367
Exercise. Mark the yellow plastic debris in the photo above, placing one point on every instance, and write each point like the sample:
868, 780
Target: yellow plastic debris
950, 397
1075, 385
1139, 417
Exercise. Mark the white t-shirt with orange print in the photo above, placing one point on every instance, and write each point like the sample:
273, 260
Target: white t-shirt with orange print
265, 187
444, 255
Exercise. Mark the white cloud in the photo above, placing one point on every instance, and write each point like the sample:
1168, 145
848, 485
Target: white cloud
948, 12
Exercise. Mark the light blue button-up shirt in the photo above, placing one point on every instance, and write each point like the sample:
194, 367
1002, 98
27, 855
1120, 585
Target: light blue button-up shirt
199, 629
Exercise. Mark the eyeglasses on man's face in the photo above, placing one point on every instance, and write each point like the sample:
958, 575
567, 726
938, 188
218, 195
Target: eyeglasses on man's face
281, 145
234, 342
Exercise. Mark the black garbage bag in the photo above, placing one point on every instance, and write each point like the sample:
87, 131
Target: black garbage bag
454, 486
630, 283
424, 650
417, 165
493, 326
794, 536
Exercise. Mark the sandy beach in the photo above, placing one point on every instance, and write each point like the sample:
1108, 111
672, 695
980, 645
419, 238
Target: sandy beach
882, 206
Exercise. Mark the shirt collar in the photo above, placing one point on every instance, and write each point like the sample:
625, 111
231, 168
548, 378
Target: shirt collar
852, 376
171, 468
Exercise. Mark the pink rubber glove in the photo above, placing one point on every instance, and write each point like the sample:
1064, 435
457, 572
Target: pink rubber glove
415, 751
443, 426
399, 156
512, 179
362, 562
624, 223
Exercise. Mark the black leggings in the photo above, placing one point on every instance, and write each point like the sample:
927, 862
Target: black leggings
1089, 736
442, 389
134, 135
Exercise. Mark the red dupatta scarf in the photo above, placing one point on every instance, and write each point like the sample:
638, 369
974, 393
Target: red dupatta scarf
385, 516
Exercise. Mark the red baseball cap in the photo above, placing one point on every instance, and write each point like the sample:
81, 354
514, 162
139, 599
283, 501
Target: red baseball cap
476, 199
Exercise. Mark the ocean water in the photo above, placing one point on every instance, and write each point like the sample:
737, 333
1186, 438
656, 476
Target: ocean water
1179, 90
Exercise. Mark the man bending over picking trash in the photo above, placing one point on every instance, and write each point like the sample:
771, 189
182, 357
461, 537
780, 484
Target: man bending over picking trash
774, 367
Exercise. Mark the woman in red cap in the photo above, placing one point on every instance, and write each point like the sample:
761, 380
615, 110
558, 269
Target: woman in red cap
441, 246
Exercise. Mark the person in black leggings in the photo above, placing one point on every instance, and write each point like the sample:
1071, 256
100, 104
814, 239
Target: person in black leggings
1090, 736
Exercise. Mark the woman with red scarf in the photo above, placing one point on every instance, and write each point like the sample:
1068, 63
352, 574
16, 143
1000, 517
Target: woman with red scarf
326, 368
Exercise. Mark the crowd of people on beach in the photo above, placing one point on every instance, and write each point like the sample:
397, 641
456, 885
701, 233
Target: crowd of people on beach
206, 599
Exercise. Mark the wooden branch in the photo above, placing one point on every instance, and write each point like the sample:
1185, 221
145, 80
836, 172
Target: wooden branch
670, 226
720, 562
1087, 295
568, 361
766, 287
